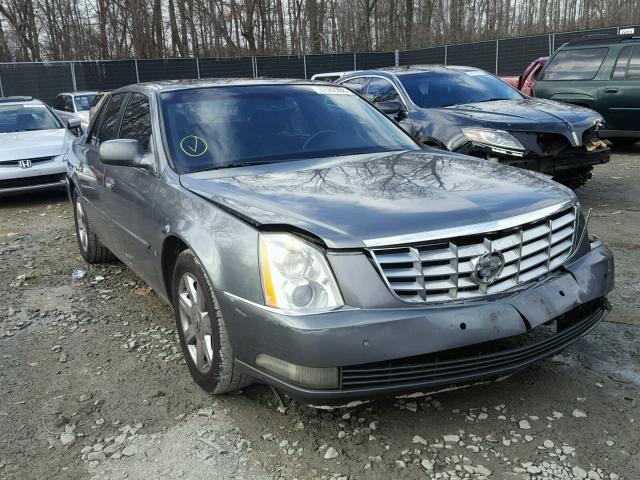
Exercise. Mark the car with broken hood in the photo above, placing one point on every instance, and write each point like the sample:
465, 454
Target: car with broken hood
467, 110
305, 240
33, 144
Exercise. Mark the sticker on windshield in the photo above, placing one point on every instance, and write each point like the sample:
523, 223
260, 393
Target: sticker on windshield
328, 90
33, 105
475, 73
193, 146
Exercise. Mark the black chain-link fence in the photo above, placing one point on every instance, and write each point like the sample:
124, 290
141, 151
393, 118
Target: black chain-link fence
507, 56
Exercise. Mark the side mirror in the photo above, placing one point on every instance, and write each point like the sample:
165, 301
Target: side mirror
124, 153
73, 123
392, 107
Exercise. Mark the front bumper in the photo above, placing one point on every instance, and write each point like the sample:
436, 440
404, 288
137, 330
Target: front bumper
567, 161
386, 351
43, 176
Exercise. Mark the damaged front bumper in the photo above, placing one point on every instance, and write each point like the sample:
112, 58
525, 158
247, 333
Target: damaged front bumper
566, 162
395, 350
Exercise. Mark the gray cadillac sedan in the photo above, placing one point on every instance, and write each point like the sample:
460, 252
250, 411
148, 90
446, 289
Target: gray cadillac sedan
305, 240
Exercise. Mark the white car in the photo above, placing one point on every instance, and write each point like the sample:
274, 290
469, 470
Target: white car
329, 76
74, 105
33, 145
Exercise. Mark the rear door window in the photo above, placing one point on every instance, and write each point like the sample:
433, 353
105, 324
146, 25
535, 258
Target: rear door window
108, 129
620, 68
633, 72
579, 64
68, 103
59, 103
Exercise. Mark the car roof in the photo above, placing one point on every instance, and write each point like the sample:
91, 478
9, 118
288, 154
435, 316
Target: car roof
173, 85
20, 101
410, 69
600, 40
79, 92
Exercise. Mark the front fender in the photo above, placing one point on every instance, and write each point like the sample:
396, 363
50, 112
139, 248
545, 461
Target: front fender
226, 246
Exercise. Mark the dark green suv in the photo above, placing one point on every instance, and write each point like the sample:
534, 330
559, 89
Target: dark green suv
601, 73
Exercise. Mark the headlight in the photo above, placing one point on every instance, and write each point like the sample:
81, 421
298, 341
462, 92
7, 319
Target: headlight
296, 275
498, 138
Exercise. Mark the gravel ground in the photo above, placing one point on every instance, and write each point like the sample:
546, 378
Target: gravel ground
92, 382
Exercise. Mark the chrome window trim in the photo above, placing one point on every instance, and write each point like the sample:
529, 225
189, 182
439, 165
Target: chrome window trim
474, 229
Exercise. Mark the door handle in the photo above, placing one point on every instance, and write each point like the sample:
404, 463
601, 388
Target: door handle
109, 183
610, 90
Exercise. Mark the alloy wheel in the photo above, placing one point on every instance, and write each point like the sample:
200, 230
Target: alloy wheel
82, 225
195, 322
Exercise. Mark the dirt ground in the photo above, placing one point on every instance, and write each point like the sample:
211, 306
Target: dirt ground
92, 382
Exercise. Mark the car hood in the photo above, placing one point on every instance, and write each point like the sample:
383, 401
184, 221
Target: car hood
36, 144
528, 115
350, 201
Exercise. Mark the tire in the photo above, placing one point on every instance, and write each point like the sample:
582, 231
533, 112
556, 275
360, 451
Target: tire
202, 329
90, 246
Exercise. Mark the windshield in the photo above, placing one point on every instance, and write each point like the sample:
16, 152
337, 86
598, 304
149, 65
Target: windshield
454, 87
219, 127
83, 102
24, 118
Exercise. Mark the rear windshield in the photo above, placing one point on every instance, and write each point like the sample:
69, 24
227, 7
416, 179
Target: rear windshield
83, 102
219, 127
580, 64
25, 118
450, 87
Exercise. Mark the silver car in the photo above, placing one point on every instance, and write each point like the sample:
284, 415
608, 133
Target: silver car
33, 143
305, 240
74, 105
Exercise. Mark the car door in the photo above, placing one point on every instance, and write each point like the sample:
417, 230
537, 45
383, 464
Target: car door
131, 191
92, 171
619, 98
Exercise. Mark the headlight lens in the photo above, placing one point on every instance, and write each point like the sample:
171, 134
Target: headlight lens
498, 138
296, 275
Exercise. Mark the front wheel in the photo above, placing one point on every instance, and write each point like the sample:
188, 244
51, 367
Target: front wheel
202, 330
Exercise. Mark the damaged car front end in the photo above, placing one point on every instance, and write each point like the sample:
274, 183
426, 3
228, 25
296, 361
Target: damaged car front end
467, 110
562, 151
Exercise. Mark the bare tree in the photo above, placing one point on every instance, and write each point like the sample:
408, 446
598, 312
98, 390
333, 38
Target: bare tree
93, 29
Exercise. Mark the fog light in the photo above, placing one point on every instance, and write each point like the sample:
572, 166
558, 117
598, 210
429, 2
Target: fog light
304, 376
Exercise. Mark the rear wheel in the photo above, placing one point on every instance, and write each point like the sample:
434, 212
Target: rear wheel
91, 248
202, 329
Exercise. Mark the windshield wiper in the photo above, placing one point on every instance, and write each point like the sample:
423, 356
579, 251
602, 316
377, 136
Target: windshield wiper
244, 164
495, 99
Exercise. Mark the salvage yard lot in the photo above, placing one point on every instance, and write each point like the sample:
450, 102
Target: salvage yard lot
94, 363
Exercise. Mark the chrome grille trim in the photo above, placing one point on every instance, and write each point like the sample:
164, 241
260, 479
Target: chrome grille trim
441, 270
34, 161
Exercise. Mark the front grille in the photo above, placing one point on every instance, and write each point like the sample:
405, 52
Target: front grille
477, 362
34, 161
444, 270
32, 181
